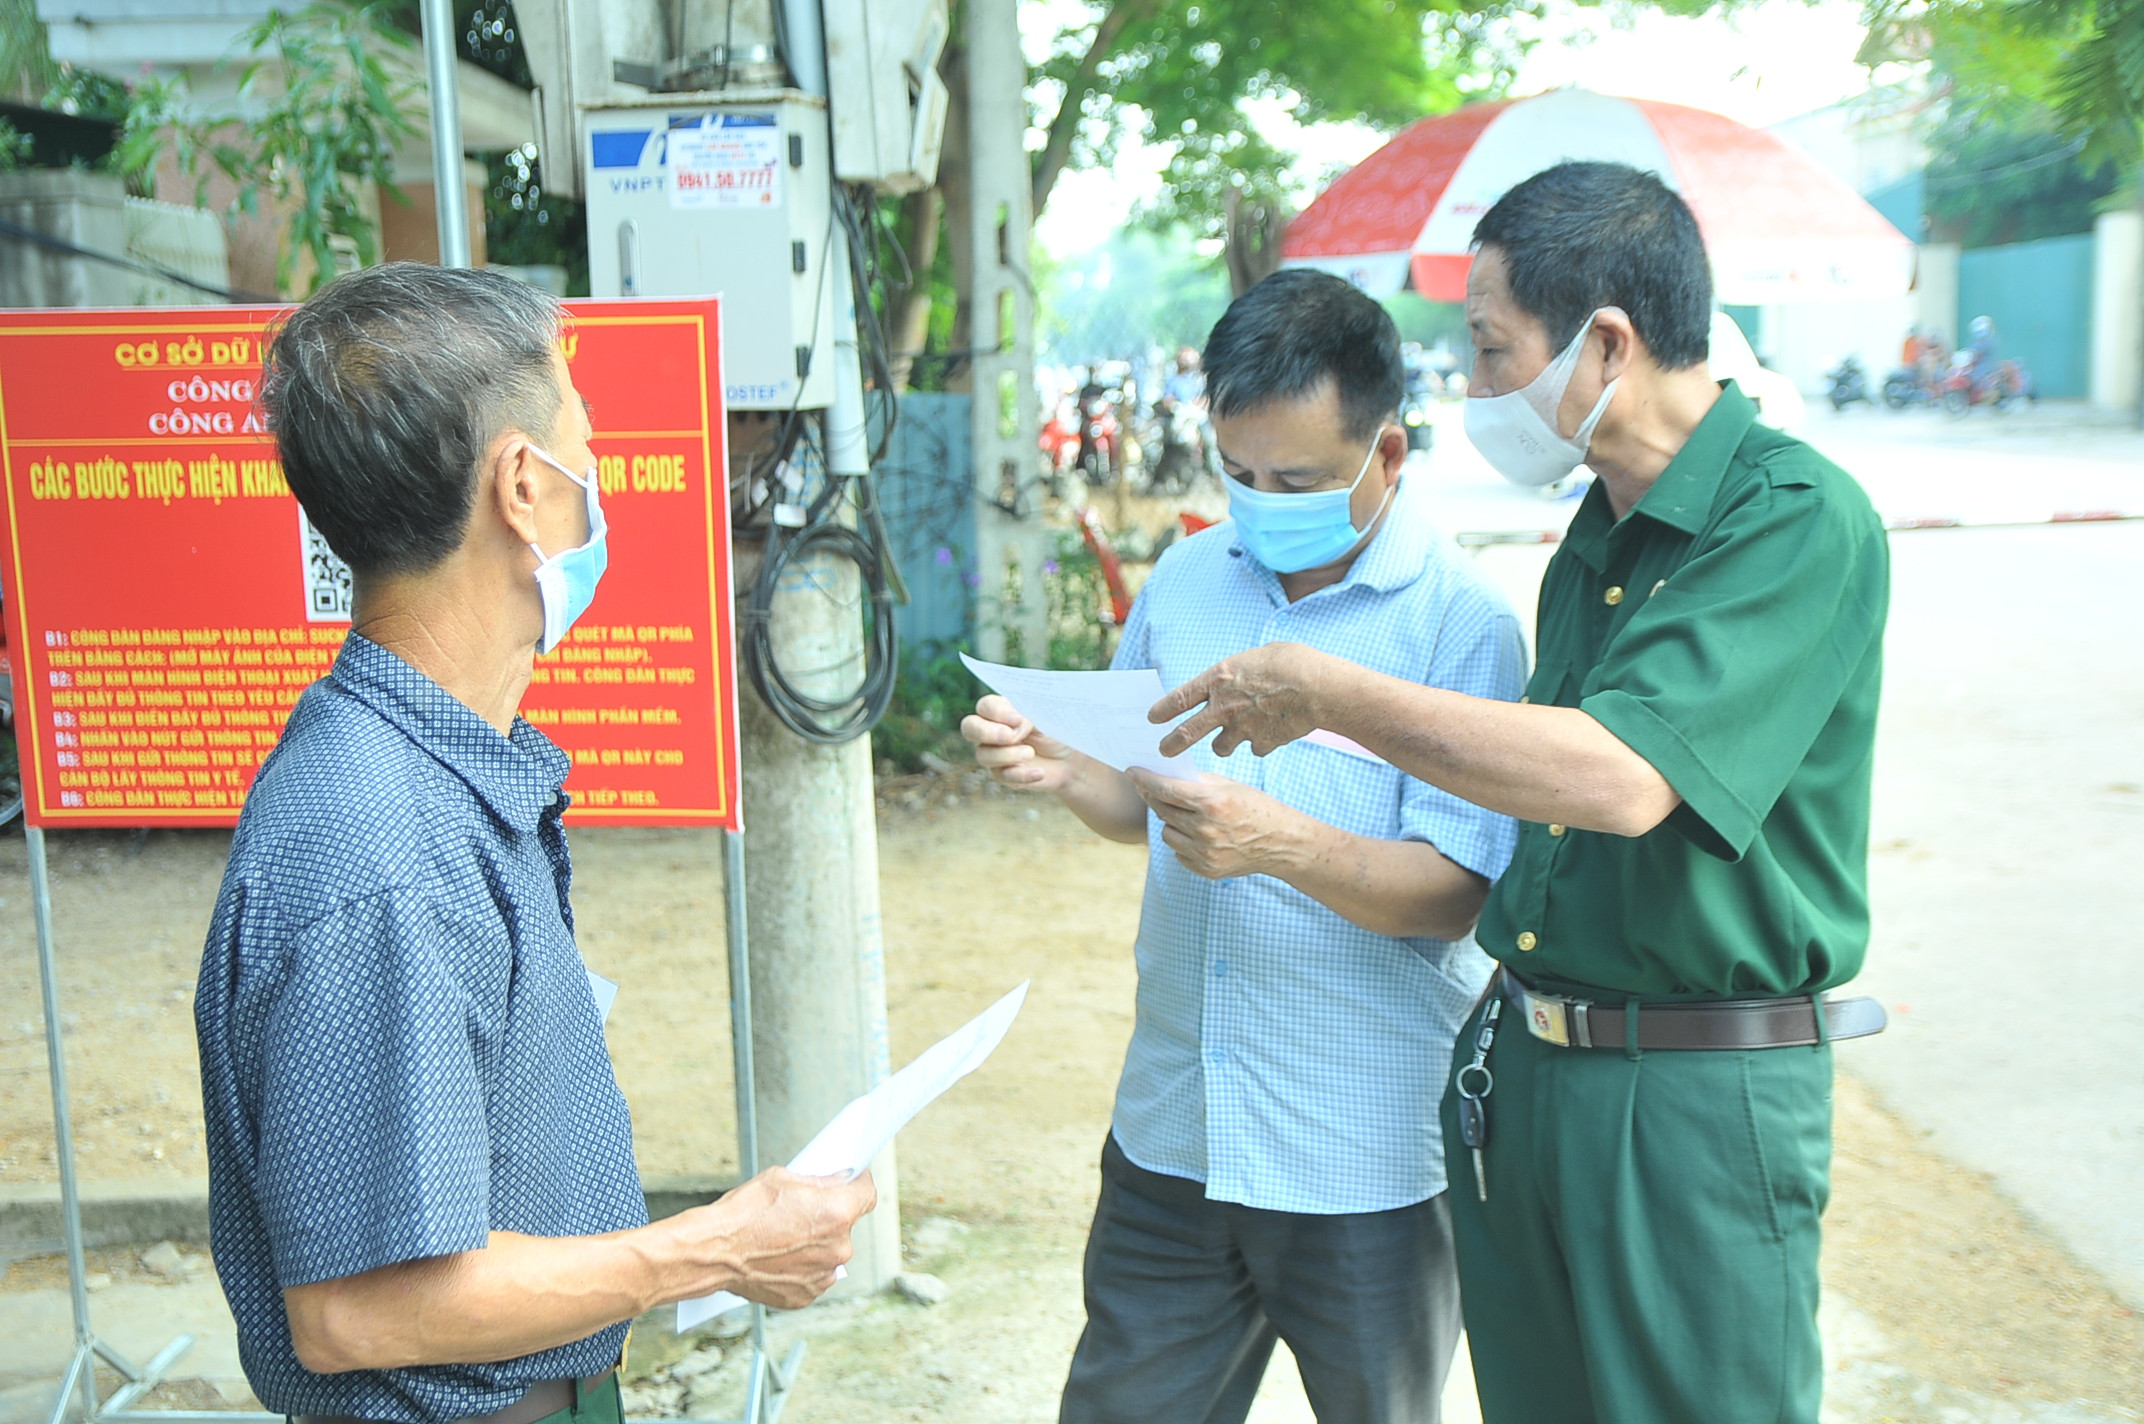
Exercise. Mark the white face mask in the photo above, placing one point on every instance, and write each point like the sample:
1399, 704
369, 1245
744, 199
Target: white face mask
1516, 432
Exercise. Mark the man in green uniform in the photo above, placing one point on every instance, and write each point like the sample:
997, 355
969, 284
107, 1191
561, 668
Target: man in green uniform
1647, 1086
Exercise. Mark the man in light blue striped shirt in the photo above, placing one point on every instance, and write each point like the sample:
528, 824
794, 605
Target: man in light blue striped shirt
1274, 1168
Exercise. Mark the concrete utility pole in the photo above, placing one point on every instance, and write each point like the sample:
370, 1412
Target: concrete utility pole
633, 68
1011, 543
818, 957
818, 952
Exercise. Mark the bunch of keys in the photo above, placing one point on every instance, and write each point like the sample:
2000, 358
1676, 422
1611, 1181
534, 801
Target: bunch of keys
1473, 1083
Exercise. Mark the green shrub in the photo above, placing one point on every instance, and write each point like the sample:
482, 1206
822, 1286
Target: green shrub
1077, 593
930, 696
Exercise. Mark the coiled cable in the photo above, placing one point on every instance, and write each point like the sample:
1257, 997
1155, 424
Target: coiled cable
826, 533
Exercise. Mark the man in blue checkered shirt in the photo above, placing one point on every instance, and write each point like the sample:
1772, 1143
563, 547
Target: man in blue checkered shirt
1274, 1168
423, 1201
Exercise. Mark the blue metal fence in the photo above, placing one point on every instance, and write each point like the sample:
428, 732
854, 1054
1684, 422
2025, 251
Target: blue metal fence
926, 485
2040, 296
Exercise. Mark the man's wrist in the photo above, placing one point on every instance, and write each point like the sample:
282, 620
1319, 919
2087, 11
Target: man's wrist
1298, 842
679, 1264
1314, 682
1075, 780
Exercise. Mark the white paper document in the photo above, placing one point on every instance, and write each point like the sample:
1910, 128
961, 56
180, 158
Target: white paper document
1346, 746
860, 1131
1100, 713
605, 992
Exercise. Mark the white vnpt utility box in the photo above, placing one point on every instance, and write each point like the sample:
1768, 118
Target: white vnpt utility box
889, 103
690, 198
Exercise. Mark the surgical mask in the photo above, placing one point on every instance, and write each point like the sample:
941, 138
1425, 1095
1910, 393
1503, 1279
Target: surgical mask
1516, 432
568, 582
1291, 532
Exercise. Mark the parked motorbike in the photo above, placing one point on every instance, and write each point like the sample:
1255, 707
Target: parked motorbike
1848, 383
1101, 452
2002, 385
1907, 386
1185, 453
1918, 380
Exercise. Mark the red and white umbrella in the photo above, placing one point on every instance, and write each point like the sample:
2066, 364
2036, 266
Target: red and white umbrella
1778, 227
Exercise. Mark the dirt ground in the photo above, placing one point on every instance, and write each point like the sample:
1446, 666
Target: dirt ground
1946, 1303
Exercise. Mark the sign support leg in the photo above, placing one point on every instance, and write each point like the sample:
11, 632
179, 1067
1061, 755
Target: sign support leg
452, 204
81, 1372
767, 1384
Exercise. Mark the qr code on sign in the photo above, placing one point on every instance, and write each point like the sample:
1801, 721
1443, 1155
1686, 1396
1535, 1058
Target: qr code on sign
327, 577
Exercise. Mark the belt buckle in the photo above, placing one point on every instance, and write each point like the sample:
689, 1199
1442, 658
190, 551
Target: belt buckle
1563, 1022
1547, 1020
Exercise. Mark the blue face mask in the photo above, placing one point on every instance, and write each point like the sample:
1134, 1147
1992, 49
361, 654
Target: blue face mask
1289, 533
568, 582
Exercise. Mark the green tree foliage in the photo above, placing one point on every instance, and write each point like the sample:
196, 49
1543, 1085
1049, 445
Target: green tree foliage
1428, 323
2082, 60
316, 116
525, 224
15, 147
1190, 65
26, 67
1143, 287
2003, 171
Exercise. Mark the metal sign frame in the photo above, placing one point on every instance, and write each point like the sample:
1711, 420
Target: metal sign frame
81, 1372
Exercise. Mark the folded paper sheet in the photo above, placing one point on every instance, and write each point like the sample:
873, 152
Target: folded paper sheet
862, 1130
605, 993
1100, 713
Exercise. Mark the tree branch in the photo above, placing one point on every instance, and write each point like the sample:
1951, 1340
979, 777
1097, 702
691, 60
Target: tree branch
1058, 150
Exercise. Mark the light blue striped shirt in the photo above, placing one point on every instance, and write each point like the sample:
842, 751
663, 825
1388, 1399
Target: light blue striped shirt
1282, 1056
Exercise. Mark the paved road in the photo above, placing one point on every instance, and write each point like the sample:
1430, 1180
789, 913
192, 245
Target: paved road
2008, 869
1920, 467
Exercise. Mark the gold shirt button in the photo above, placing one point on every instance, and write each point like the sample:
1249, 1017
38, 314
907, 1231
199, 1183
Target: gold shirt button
1554, 829
1527, 940
1613, 596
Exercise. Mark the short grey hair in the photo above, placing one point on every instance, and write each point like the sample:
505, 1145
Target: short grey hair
386, 389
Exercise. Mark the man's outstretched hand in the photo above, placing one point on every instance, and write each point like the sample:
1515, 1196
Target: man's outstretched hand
783, 1235
1268, 697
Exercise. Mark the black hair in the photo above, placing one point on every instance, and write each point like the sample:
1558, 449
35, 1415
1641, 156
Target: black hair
1286, 336
1582, 236
385, 390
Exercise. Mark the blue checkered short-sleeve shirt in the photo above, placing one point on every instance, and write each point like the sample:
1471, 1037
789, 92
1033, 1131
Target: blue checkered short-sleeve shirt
1285, 1057
400, 1052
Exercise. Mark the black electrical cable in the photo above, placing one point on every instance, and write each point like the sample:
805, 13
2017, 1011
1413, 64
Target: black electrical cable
873, 348
843, 520
872, 344
781, 39
729, 36
827, 721
785, 440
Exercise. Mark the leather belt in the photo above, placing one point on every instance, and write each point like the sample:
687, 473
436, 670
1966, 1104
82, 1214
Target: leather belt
1711, 1024
544, 1399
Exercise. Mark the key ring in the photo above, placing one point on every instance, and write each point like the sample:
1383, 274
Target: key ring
1488, 1081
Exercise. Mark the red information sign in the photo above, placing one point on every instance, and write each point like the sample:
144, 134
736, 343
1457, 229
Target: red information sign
167, 602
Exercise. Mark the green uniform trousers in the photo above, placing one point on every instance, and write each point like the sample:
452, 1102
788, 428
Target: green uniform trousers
1648, 1251
604, 1404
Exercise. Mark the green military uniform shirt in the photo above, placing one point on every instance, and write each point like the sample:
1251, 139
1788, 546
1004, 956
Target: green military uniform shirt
1729, 630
